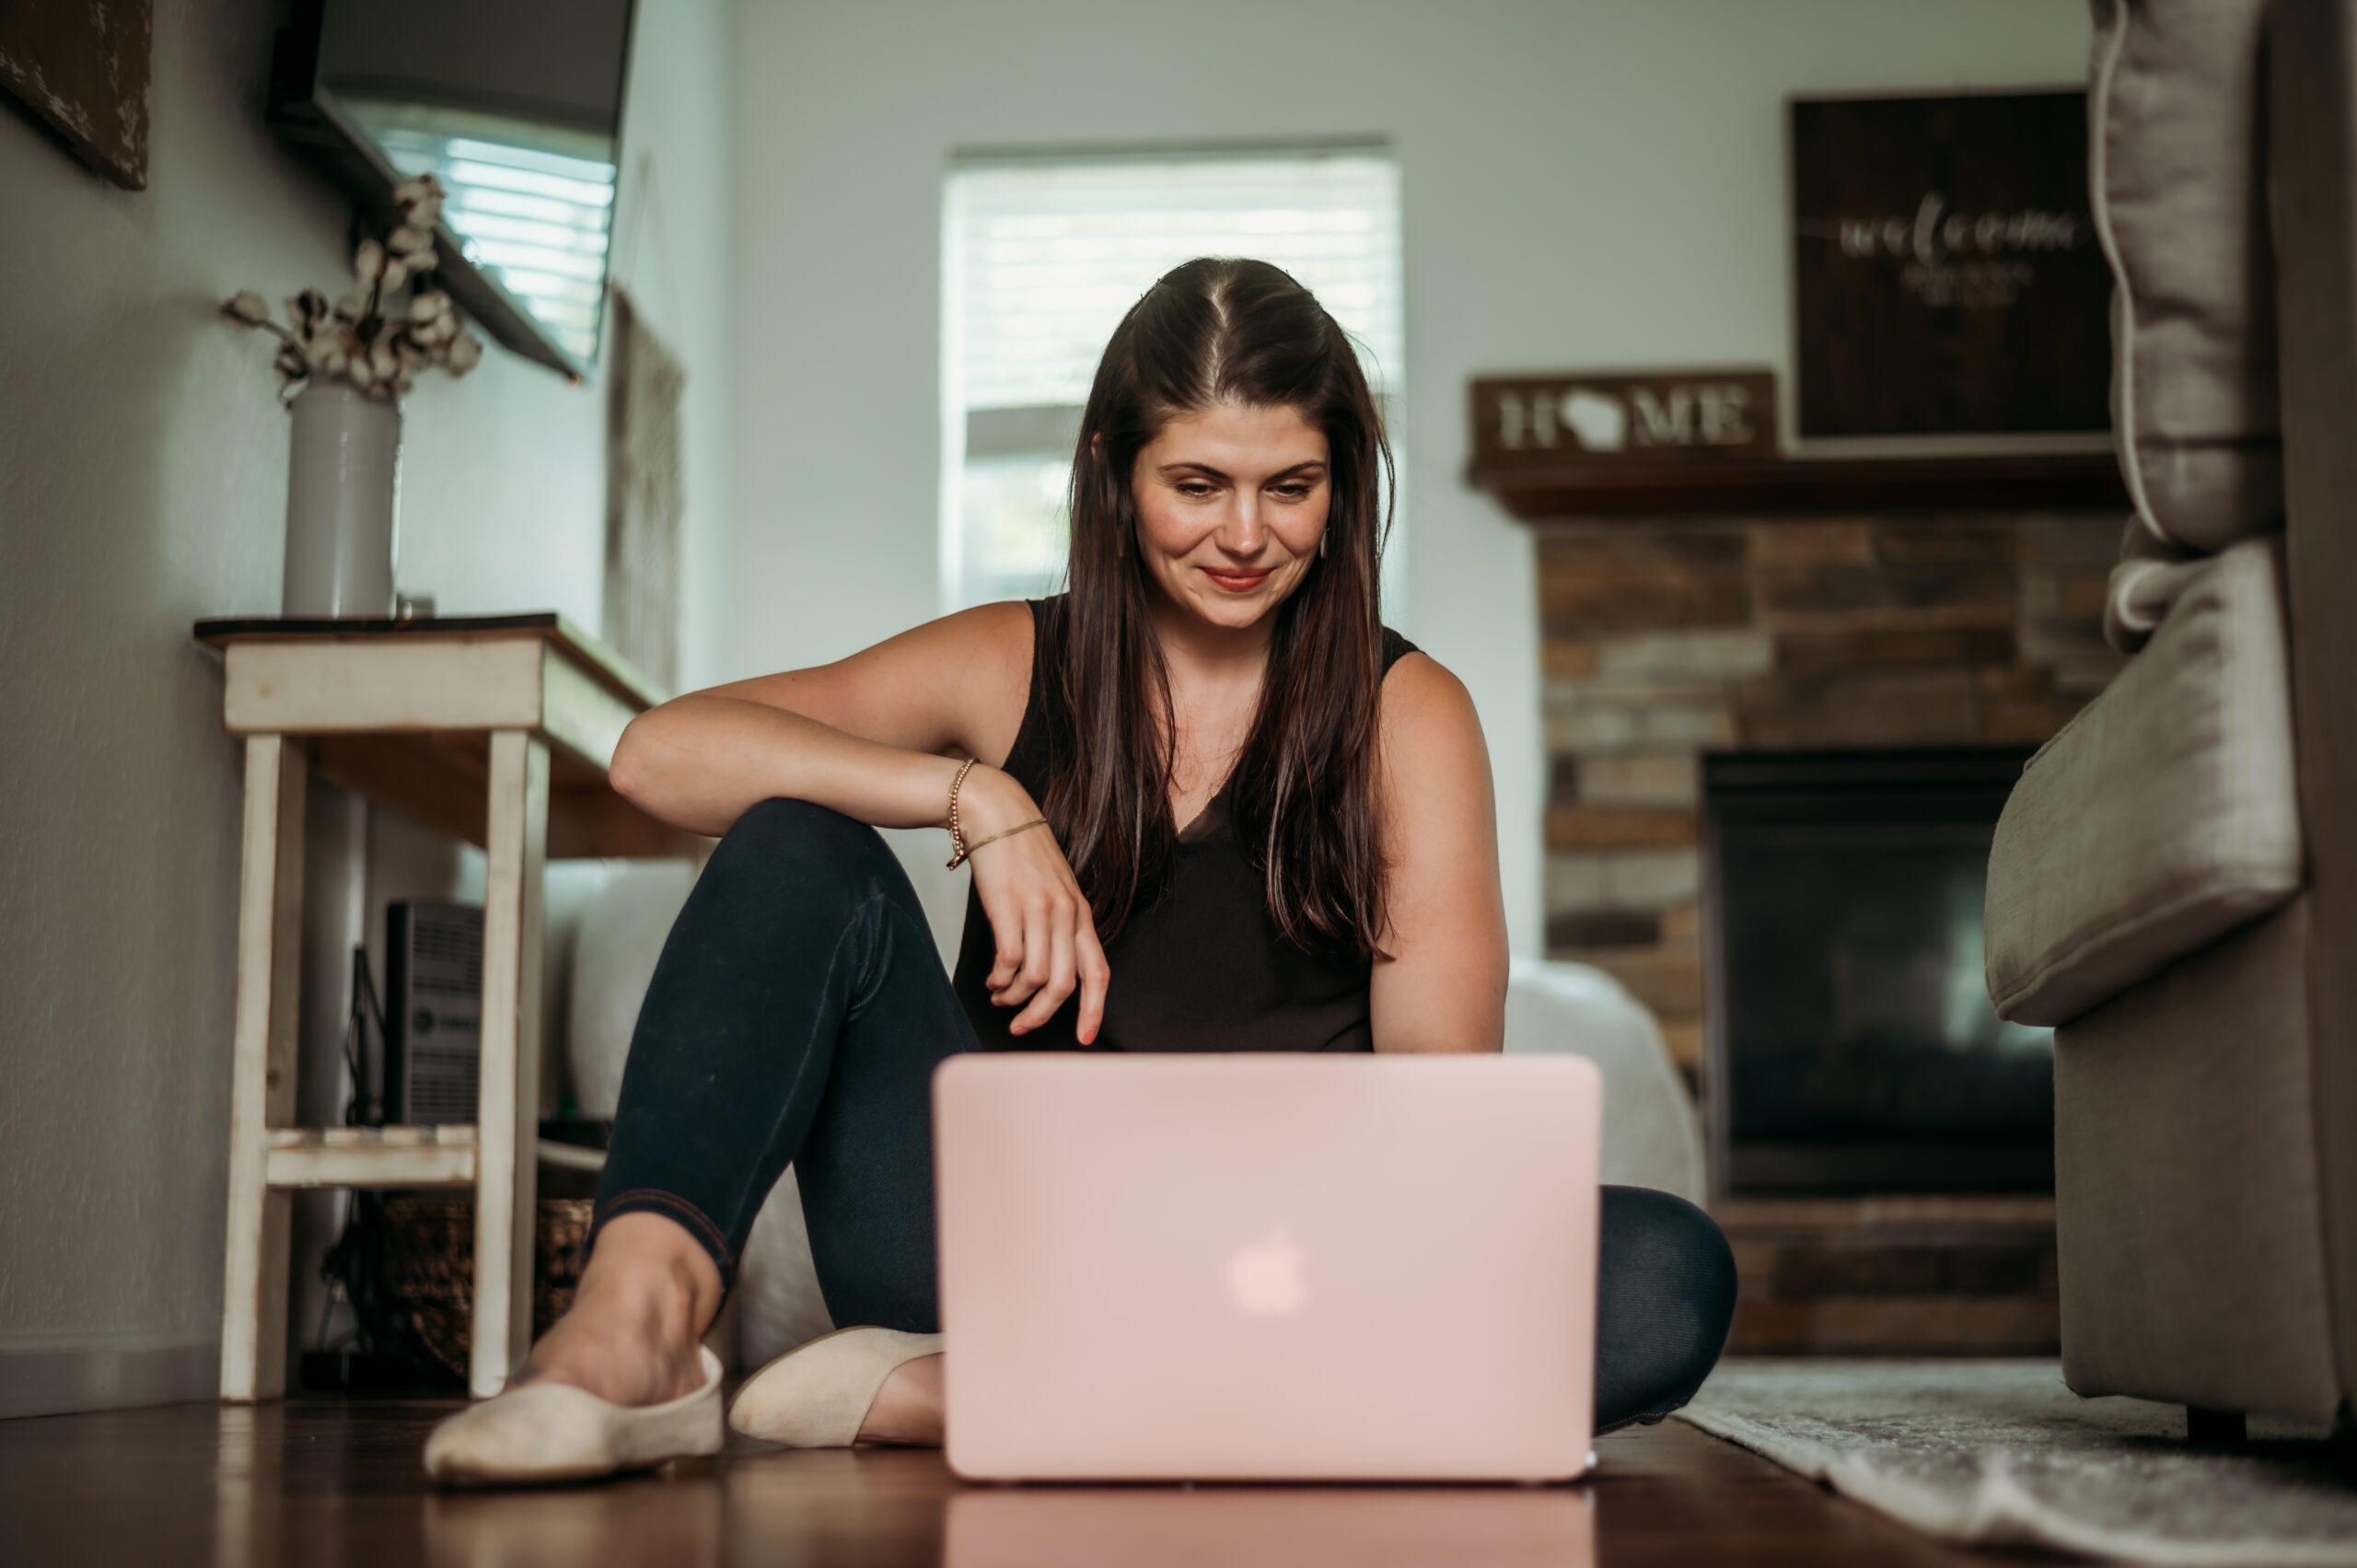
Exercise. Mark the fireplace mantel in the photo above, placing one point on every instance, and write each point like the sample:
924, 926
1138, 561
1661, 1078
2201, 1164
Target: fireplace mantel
2046, 481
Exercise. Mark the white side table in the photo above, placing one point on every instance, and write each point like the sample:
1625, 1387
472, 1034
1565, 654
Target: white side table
498, 730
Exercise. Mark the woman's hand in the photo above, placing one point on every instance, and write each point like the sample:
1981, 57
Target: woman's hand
1045, 930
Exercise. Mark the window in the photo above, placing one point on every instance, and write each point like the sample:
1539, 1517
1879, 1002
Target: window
1043, 257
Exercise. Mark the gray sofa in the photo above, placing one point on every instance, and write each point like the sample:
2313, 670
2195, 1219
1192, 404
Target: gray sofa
2174, 884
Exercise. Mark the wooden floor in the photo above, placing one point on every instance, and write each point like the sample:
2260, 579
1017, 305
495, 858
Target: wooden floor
322, 1483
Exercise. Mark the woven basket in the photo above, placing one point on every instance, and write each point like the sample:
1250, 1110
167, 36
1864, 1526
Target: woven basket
430, 1262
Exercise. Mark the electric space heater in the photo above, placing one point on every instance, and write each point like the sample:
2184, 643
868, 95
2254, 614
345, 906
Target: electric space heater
433, 1013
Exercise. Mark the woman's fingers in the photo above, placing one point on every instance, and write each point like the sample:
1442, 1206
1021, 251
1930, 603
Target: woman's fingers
1039, 958
1013, 946
1006, 927
1094, 975
1059, 986
1045, 933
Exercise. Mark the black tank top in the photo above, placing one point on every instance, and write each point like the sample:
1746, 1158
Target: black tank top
1199, 966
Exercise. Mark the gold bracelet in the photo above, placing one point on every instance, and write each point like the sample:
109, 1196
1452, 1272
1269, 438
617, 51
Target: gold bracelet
966, 851
958, 834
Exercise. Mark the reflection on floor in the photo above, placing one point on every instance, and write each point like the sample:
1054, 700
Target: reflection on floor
316, 1482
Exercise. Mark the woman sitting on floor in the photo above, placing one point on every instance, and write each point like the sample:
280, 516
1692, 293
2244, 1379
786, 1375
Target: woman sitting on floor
1207, 774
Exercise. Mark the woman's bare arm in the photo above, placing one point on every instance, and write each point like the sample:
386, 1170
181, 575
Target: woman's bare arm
879, 736
1444, 986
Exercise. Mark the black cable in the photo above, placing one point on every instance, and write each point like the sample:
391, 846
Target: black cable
354, 1046
355, 1266
359, 1108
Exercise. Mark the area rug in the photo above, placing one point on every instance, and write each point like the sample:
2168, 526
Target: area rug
1999, 1453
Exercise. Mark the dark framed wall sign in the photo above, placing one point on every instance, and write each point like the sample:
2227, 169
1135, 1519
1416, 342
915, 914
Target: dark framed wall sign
1947, 275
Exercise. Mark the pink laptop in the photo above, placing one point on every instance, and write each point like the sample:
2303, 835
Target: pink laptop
1268, 1267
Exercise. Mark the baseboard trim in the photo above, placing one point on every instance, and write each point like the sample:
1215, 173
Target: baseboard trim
60, 1380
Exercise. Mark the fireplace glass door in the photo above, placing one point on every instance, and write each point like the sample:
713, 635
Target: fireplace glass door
1854, 1045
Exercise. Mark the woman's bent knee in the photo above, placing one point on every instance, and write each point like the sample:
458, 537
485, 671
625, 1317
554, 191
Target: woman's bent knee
780, 832
1666, 1295
812, 868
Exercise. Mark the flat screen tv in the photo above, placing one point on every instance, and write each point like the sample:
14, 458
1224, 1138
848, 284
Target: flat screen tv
515, 105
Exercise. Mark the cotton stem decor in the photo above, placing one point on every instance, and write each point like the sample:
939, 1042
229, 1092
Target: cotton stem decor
343, 367
370, 339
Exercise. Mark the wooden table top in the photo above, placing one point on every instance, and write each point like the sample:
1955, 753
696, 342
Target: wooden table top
546, 625
437, 773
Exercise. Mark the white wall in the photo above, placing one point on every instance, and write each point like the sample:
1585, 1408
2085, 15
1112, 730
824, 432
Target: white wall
143, 485
1592, 183
1585, 183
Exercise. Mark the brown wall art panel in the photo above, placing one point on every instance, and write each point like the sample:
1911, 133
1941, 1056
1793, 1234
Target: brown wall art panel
645, 493
81, 67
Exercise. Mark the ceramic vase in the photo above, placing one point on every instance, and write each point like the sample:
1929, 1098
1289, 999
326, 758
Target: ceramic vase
343, 480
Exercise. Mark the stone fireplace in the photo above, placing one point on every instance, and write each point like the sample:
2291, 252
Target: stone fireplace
1688, 628
1668, 637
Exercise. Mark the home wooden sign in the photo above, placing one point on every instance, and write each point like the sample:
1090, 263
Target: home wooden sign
1623, 419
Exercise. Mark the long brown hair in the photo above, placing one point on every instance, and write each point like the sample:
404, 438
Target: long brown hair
1301, 796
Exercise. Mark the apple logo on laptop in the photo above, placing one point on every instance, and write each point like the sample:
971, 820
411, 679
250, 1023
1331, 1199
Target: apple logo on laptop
1264, 1279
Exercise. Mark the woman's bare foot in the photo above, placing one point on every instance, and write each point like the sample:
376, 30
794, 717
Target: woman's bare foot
908, 1408
638, 1320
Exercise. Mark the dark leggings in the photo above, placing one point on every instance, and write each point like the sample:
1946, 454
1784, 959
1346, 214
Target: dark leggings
796, 1015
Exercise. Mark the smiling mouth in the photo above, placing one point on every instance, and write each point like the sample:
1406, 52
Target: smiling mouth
1240, 582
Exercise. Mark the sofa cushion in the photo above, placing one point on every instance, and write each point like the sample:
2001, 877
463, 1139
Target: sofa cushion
2178, 181
2187, 1205
2163, 815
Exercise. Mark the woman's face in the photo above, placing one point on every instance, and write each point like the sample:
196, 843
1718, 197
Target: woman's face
1231, 505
